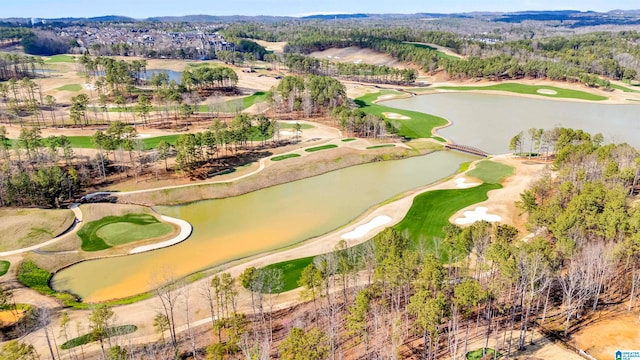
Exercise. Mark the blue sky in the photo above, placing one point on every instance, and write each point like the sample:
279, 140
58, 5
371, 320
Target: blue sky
149, 8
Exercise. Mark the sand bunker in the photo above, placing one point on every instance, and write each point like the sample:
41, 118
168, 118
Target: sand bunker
547, 92
362, 230
479, 214
285, 132
143, 136
395, 116
461, 183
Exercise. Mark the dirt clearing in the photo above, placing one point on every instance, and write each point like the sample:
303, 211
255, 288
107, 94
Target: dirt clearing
26, 227
357, 55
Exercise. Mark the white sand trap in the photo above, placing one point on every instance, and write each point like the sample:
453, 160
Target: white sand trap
461, 183
479, 214
385, 97
143, 136
362, 230
89, 86
395, 116
547, 92
285, 132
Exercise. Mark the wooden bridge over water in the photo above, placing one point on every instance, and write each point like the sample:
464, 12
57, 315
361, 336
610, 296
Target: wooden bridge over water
467, 149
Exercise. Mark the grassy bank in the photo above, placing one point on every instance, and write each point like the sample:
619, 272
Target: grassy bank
531, 90
320, 148
110, 332
4, 267
419, 125
283, 157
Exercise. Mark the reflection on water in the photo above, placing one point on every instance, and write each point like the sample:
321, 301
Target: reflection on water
488, 122
231, 228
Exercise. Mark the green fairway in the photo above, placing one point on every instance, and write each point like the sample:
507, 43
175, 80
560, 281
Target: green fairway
117, 230
430, 213
287, 125
152, 142
348, 139
623, 88
419, 125
242, 103
380, 146
532, 90
283, 157
110, 332
4, 267
70, 87
292, 270
61, 59
490, 171
319, 148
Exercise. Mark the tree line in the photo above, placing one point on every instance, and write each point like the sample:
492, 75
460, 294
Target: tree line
314, 94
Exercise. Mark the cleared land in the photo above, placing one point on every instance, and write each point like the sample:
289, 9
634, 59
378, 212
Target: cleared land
357, 55
21, 228
532, 90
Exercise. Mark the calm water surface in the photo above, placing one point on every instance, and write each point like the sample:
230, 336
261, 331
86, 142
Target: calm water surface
488, 122
231, 228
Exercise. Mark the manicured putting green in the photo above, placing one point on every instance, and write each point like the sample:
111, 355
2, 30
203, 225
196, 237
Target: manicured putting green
348, 139
123, 233
549, 91
283, 157
111, 332
117, 230
380, 146
319, 148
4, 267
70, 87
491, 172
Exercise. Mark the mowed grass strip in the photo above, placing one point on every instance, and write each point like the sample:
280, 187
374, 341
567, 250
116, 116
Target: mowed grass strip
61, 59
284, 157
320, 148
623, 88
287, 125
108, 231
70, 87
110, 332
348, 139
4, 267
430, 213
532, 90
491, 172
380, 146
419, 125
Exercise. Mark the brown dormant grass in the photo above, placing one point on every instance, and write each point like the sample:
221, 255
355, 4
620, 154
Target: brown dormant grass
27, 227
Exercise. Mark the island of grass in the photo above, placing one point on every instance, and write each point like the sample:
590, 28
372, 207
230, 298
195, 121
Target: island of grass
623, 88
320, 148
70, 87
418, 125
540, 90
289, 125
110, 332
348, 139
477, 354
283, 157
380, 146
118, 230
4, 267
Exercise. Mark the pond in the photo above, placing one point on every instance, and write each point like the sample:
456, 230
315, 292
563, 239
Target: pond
256, 222
488, 121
